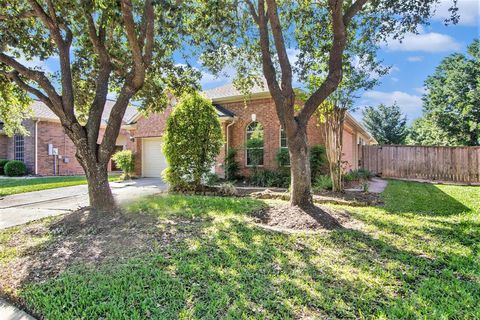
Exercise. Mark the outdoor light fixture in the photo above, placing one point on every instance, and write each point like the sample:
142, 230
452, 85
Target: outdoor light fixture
254, 117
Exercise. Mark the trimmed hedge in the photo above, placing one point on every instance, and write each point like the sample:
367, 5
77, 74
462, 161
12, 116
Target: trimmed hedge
15, 168
3, 162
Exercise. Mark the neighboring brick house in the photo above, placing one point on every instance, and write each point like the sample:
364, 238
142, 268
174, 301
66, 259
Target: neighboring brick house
45, 130
143, 135
239, 115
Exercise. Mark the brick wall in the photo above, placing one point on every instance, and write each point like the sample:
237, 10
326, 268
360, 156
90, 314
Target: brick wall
53, 133
3, 146
152, 125
29, 147
265, 112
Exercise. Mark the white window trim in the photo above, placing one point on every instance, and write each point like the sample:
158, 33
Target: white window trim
280, 142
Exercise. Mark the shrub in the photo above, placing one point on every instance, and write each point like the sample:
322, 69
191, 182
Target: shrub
267, 178
357, 175
282, 157
124, 160
322, 182
15, 168
211, 179
3, 162
192, 141
231, 165
318, 161
227, 189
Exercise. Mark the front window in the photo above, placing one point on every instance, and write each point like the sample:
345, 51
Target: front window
254, 144
283, 139
19, 147
283, 154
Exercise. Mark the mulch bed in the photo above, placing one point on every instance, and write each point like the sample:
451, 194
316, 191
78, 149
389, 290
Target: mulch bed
286, 218
349, 198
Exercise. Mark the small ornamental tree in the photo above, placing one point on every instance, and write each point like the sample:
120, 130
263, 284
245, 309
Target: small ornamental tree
124, 160
192, 141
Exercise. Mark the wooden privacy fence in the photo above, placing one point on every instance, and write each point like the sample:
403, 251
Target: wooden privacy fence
454, 164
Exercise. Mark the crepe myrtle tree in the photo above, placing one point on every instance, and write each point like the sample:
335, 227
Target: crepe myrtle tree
358, 76
123, 47
289, 39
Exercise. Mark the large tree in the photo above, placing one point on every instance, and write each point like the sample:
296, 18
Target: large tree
269, 33
123, 47
387, 124
451, 106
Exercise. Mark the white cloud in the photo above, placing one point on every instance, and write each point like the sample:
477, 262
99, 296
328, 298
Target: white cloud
410, 104
415, 58
425, 42
421, 90
394, 79
468, 10
36, 63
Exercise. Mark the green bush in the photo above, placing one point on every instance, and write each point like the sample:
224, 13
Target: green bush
124, 160
3, 162
15, 168
282, 157
192, 141
318, 161
232, 167
357, 175
211, 179
267, 178
322, 182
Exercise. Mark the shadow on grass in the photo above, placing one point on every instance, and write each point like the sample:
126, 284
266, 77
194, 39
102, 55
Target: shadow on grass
421, 198
205, 265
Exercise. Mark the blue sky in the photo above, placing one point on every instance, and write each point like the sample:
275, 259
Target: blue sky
412, 61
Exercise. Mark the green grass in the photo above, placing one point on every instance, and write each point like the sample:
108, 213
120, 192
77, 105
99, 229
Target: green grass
416, 258
14, 186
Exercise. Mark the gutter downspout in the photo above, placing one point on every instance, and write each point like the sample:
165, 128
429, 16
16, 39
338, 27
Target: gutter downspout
36, 146
227, 129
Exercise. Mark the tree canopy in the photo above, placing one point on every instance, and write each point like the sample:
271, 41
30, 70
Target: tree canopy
387, 124
451, 106
123, 47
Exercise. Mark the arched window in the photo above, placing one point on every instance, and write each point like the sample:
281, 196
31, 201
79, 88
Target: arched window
254, 144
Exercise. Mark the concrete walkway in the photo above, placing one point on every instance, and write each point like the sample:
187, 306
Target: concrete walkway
24, 207
375, 185
9, 312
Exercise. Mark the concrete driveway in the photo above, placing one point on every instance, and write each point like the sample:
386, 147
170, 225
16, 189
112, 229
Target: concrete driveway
24, 207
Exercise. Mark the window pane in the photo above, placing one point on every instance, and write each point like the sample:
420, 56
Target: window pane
19, 147
283, 138
254, 144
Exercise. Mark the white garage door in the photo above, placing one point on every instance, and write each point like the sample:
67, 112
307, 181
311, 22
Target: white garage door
153, 160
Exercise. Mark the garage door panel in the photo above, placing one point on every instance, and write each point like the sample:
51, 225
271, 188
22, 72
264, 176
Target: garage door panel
153, 159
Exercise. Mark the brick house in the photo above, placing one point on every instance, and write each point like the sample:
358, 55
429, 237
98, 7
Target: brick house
238, 116
46, 134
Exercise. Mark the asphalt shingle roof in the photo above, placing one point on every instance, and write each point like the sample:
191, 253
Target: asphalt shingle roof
40, 110
229, 90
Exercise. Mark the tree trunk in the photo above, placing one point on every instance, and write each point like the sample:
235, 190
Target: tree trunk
300, 169
99, 192
334, 120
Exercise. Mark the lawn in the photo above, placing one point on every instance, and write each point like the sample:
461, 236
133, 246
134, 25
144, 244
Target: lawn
21, 185
205, 258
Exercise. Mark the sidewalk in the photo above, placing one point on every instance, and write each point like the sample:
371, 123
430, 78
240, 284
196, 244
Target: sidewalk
9, 312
